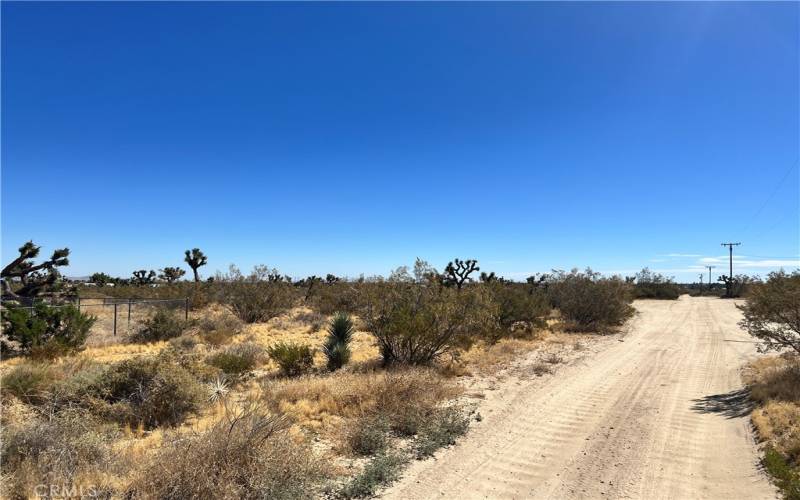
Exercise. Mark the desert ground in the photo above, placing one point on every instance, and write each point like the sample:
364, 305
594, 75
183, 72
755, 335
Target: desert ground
658, 412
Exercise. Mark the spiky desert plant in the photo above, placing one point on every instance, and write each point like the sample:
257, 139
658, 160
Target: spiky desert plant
337, 345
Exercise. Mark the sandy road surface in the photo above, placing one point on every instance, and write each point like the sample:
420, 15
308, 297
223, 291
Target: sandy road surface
658, 415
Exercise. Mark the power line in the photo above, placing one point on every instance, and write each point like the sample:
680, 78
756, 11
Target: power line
772, 195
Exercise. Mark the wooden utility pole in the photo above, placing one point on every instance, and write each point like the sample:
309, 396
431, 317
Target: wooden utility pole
729, 283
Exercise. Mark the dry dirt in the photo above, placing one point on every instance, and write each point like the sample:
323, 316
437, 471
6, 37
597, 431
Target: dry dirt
657, 412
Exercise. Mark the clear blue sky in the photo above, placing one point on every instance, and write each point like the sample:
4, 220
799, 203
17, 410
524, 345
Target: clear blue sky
351, 138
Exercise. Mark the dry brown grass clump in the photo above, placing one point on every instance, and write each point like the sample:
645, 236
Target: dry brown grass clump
402, 397
247, 454
774, 384
70, 451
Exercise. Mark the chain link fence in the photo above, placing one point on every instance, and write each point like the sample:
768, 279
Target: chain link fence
119, 318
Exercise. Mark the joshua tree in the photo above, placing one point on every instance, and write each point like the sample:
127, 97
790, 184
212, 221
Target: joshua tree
170, 274
457, 272
488, 278
143, 277
35, 278
331, 279
195, 258
101, 279
309, 282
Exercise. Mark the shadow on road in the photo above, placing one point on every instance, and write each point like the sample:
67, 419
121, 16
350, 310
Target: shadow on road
730, 404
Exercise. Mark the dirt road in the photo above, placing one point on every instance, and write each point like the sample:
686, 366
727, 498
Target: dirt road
659, 414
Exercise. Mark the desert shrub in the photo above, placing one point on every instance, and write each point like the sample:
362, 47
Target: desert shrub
368, 435
218, 328
293, 359
380, 471
406, 402
589, 302
337, 345
772, 312
330, 298
786, 477
147, 390
415, 324
70, 450
30, 382
162, 325
255, 298
183, 343
650, 285
441, 430
45, 331
237, 359
247, 455
517, 304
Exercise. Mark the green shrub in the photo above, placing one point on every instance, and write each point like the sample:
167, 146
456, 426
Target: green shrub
257, 297
368, 436
337, 345
589, 302
650, 285
787, 479
415, 324
237, 359
150, 391
517, 304
248, 454
45, 331
29, 382
441, 430
163, 325
380, 471
772, 312
293, 359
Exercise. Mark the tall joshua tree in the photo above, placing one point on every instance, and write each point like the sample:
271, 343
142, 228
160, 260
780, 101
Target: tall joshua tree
195, 258
457, 272
35, 278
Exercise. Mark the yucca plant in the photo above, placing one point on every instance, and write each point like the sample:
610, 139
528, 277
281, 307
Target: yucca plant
337, 345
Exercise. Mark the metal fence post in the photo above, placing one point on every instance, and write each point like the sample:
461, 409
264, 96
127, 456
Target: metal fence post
115, 319
186, 309
129, 315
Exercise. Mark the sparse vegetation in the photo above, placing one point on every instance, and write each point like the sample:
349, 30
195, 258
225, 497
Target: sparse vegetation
380, 471
248, 454
145, 389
